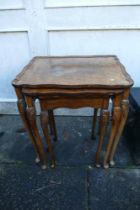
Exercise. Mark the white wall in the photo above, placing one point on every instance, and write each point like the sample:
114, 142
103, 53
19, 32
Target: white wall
66, 27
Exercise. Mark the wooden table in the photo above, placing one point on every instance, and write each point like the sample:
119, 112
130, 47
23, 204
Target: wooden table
73, 82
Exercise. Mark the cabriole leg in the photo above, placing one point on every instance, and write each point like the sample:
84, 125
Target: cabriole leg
115, 124
104, 121
21, 104
93, 136
32, 120
52, 124
44, 124
125, 109
99, 126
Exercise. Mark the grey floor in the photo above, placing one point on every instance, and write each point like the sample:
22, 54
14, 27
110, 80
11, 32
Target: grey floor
75, 183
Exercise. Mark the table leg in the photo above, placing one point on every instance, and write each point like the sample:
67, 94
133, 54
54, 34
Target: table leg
99, 126
125, 109
44, 124
21, 104
115, 124
104, 120
32, 120
52, 124
93, 136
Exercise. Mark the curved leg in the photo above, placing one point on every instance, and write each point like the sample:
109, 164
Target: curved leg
125, 109
21, 104
104, 120
99, 126
32, 121
52, 124
44, 124
115, 124
93, 136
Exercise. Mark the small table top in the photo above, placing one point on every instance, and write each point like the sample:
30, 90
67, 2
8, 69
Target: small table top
74, 71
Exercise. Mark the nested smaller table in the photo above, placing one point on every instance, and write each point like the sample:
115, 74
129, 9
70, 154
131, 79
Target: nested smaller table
73, 82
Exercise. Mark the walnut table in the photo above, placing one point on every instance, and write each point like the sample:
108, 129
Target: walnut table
73, 82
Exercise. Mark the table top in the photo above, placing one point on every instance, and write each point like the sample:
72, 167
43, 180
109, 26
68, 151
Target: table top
74, 71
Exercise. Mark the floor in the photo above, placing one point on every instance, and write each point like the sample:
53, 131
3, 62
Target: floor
75, 183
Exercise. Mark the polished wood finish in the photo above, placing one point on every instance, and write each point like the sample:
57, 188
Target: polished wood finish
93, 134
73, 82
32, 121
103, 124
77, 71
115, 124
21, 104
99, 126
44, 124
52, 125
124, 114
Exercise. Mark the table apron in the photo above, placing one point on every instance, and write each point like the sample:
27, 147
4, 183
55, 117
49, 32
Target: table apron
71, 92
74, 103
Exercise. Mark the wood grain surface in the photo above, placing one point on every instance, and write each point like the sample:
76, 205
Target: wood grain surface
72, 71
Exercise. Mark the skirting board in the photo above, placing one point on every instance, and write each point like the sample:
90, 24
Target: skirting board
10, 107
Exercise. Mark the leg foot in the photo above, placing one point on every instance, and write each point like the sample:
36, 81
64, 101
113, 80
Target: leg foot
44, 167
98, 165
112, 163
52, 165
106, 166
37, 160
